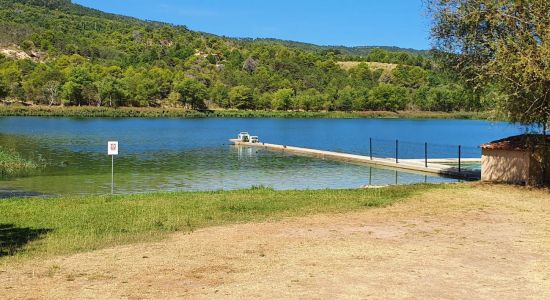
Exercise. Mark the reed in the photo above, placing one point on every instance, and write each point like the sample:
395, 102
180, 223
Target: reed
13, 165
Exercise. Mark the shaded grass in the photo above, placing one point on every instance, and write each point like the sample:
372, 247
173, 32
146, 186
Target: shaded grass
13, 165
73, 224
148, 112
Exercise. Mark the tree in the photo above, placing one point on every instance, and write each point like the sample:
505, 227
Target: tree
310, 99
388, 97
363, 74
193, 93
344, 101
360, 100
250, 65
505, 43
11, 76
140, 87
241, 97
219, 93
173, 99
163, 80
51, 91
42, 84
109, 88
79, 88
440, 98
3, 89
378, 55
410, 77
282, 99
27, 45
264, 101
71, 93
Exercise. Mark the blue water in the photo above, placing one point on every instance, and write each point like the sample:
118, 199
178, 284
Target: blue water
194, 154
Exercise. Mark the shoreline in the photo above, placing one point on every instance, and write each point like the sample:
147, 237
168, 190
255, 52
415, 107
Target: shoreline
149, 112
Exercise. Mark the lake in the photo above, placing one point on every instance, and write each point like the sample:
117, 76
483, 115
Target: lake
195, 155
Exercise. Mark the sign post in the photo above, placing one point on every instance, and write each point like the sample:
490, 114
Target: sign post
112, 150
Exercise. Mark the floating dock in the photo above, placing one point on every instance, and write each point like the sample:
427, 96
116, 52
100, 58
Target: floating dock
434, 166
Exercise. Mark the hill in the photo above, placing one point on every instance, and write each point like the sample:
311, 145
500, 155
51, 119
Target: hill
357, 51
60, 53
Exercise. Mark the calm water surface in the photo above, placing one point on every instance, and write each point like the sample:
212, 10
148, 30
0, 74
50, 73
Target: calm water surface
194, 154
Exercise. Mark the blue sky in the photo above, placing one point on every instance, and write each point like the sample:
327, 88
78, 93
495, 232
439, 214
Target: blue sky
325, 22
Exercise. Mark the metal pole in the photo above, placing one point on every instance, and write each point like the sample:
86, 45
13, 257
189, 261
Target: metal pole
370, 148
426, 155
112, 174
396, 151
459, 158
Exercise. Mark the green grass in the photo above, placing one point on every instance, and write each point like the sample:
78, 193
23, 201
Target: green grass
124, 112
55, 226
13, 165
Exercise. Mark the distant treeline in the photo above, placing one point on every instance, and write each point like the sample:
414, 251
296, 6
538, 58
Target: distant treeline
80, 56
171, 112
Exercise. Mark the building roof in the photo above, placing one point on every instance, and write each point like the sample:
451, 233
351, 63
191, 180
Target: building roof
518, 142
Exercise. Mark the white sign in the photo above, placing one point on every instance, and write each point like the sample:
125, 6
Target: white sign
112, 148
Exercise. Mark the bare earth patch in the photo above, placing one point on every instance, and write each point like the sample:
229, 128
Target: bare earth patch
478, 242
386, 67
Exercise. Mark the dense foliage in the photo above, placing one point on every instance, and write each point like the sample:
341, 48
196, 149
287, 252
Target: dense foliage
502, 45
80, 56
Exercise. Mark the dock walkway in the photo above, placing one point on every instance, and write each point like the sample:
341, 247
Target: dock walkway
435, 166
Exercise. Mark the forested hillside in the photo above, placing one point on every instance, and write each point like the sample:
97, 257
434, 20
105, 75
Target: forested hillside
356, 53
59, 53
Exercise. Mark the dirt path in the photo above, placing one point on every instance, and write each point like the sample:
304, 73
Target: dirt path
443, 244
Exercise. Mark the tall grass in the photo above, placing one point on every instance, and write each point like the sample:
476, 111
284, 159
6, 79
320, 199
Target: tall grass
13, 165
80, 223
149, 112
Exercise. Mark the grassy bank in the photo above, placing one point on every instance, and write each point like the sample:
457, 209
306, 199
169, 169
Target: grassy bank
13, 165
45, 227
91, 111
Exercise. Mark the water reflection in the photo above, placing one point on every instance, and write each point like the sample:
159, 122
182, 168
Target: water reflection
246, 152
